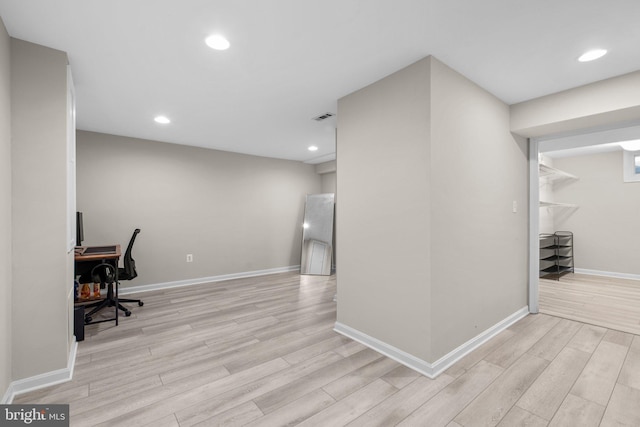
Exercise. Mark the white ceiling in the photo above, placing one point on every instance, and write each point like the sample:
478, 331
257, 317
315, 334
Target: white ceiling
290, 60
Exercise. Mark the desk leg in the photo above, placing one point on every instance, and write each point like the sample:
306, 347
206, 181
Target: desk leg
117, 288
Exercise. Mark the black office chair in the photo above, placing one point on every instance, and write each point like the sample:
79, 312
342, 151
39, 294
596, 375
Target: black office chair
128, 273
105, 274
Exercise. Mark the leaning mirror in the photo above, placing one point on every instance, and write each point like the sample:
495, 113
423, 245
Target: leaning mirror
317, 235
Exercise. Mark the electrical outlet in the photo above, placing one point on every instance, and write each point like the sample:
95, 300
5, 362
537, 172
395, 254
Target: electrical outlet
189, 257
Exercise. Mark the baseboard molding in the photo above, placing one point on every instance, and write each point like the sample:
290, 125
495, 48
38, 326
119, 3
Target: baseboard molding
43, 380
202, 280
430, 370
607, 274
8, 396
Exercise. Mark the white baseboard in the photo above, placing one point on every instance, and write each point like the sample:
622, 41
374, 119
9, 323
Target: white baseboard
43, 380
607, 274
8, 396
202, 280
415, 363
430, 370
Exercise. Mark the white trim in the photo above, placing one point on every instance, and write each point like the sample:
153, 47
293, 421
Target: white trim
71, 162
534, 224
8, 396
202, 280
417, 364
430, 370
46, 379
608, 274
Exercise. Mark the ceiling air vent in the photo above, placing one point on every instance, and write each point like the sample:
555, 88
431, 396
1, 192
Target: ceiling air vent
324, 116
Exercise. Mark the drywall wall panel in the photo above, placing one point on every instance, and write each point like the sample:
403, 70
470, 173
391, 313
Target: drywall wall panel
233, 212
5, 210
599, 104
383, 210
327, 171
329, 182
605, 222
41, 263
479, 245
326, 167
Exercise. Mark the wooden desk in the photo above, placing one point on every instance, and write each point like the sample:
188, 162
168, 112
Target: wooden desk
111, 257
80, 256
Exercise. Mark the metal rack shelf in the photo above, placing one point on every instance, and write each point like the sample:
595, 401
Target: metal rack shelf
556, 254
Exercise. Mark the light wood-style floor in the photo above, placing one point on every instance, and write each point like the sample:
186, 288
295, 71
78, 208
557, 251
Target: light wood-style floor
604, 301
262, 352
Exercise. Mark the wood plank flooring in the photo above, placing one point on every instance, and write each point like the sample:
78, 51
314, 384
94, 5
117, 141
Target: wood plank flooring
609, 302
262, 352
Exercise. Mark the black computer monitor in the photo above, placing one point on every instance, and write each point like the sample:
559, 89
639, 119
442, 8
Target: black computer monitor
79, 229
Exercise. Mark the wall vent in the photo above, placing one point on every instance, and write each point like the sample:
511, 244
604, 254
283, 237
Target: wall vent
323, 117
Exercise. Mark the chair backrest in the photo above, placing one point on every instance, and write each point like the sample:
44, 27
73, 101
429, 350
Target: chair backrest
129, 263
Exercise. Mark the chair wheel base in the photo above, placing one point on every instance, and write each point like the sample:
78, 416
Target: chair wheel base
87, 319
140, 303
127, 313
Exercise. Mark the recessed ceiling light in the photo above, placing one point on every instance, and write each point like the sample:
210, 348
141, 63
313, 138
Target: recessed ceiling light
162, 120
313, 148
217, 42
592, 54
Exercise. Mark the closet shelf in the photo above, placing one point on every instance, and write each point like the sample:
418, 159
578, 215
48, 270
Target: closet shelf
554, 174
556, 205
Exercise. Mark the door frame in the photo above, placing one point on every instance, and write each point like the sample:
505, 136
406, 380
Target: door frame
573, 139
534, 225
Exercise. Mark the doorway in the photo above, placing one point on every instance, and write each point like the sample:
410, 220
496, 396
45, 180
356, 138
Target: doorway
580, 144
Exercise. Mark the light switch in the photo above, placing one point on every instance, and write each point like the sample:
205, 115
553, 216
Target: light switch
515, 206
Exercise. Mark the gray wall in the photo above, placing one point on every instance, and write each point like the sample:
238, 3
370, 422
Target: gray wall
5, 211
605, 224
42, 267
479, 246
430, 252
235, 213
603, 103
329, 182
327, 170
383, 210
